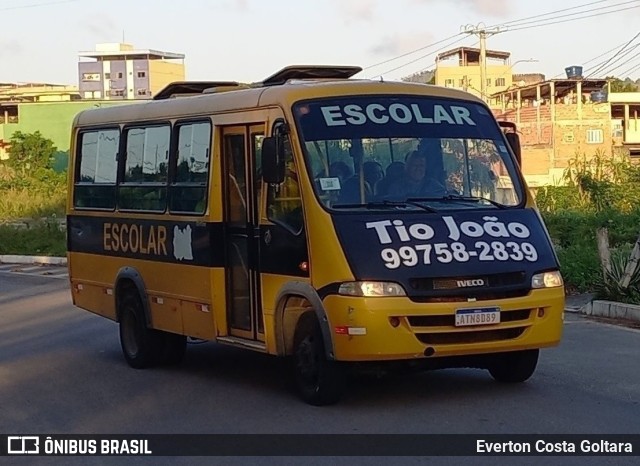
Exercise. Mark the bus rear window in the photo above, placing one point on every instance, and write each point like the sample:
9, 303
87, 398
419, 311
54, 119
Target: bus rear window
96, 170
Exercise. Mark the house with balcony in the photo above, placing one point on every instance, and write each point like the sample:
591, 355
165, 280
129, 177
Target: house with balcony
460, 68
120, 72
560, 118
625, 115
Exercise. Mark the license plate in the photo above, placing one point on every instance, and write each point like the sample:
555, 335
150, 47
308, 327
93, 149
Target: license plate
477, 316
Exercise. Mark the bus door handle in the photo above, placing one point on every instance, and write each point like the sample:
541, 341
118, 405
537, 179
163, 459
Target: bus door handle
267, 237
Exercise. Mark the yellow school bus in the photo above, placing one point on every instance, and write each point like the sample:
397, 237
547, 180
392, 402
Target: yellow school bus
336, 221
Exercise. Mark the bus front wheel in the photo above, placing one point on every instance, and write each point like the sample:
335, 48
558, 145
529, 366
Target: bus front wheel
515, 366
140, 344
319, 381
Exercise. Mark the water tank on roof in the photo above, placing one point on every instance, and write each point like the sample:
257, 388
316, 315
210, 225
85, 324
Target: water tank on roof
598, 96
573, 72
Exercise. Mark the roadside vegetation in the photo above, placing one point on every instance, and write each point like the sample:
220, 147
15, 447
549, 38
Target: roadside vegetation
39, 239
32, 198
601, 192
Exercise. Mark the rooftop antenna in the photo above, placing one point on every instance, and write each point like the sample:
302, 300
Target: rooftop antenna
123, 37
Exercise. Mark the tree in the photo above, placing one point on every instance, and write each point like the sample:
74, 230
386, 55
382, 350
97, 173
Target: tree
618, 85
423, 77
29, 152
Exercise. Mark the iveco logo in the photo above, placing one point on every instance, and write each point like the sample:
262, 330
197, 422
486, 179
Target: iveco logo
468, 283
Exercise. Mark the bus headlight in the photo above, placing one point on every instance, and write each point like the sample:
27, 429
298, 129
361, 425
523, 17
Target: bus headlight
371, 289
547, 280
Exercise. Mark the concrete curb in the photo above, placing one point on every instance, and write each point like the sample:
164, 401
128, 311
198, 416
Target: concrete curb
573, 309
43, 260
612, 310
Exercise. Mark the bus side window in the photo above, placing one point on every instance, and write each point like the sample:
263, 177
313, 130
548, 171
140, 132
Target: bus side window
188, 189
144, 184
95, 174
284, 204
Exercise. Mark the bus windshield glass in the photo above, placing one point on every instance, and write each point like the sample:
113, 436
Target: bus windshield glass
408, 152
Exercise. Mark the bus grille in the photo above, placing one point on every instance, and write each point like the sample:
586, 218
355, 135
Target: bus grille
498, 280
478, 336
478, 296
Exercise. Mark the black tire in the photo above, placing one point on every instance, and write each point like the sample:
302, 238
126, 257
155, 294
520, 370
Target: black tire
173, 349
514, 367
141, 346
318, 381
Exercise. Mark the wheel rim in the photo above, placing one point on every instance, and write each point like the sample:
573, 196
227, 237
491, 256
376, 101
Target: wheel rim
129, 334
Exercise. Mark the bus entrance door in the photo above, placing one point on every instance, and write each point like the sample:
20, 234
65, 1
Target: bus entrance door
242, 193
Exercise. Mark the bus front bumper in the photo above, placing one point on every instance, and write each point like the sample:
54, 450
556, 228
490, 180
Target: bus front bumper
379, 329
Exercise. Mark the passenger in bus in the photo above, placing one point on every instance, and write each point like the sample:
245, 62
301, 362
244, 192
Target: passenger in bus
395, 172
341, 171
373, 173
418, 181
352, 190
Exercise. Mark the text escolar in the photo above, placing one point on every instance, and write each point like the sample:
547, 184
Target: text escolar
137, 239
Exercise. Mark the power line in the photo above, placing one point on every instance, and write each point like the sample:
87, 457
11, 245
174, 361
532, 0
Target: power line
608, 69
601, 55
614, 56
473, 45
423, 56
506, 23
594, 59
523, 23
630, 70
625, 63
549, 13
574, 14
412, 52
573, 19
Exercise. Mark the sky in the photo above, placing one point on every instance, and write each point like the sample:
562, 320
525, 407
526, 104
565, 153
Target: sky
248, 40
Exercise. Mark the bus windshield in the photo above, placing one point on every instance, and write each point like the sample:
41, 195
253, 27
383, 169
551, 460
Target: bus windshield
408, 152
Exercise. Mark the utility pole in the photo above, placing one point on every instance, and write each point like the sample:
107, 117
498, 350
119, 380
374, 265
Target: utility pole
482, 32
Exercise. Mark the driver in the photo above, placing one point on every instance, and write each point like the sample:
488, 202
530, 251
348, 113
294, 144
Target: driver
417, 182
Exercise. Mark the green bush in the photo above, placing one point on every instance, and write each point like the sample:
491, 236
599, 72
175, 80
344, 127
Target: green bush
574, 236
580, 267
29, 187
41, 195
557, 198
41, 239
608, 286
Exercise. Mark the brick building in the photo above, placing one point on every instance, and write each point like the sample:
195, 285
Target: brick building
557, 119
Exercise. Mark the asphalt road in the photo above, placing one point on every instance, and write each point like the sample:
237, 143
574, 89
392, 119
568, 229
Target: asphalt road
62, 371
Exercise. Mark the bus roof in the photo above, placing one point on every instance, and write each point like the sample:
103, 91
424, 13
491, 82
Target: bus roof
245, 98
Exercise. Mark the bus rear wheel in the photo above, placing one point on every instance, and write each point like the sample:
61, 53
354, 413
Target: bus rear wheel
515, 366
319, 381
140, 344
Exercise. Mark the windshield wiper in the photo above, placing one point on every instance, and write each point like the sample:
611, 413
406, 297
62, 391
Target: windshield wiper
457, 197
386, 203
477, 199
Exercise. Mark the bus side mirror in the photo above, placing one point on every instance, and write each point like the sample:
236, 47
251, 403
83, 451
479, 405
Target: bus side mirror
273, 160
514, 142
